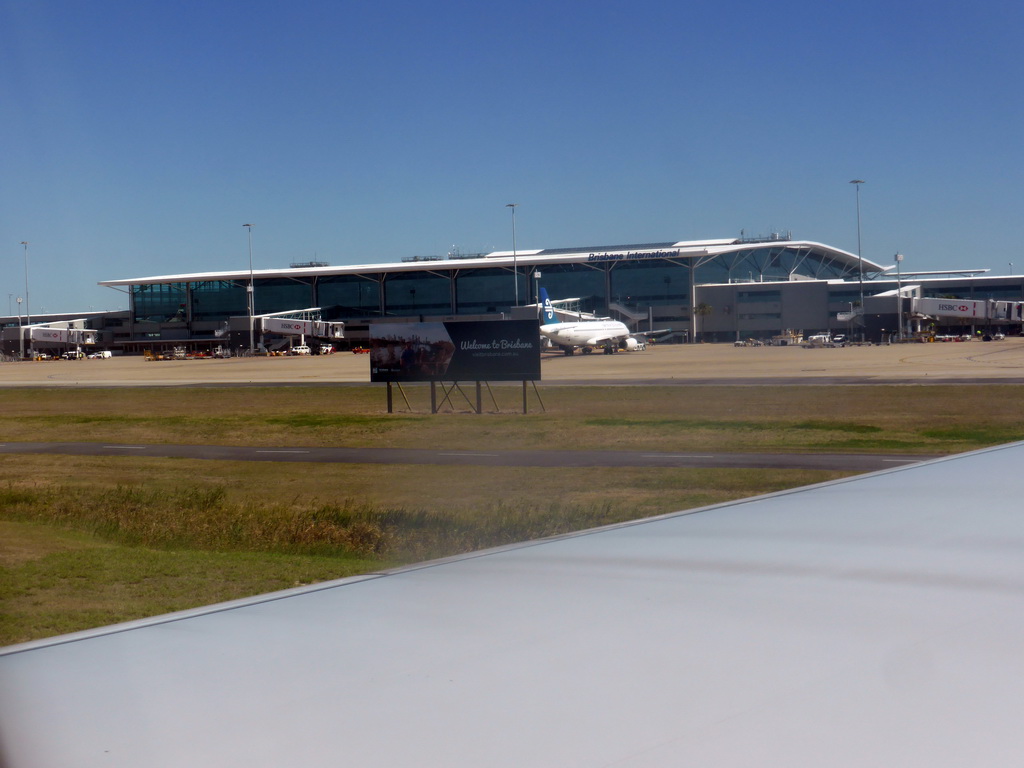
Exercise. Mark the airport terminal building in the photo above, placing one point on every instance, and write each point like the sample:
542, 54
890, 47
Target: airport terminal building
651, 285
710, 290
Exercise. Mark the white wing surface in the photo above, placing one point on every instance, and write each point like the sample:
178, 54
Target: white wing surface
876, 621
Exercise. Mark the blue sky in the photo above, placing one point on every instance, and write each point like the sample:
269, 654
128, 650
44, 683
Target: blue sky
136, 138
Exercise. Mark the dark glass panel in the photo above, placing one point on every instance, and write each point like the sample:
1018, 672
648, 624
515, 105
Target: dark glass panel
714, 271
219, 299
282, 295
480, 291
417, 293
650, 283
573, 281
949, 291
350, 295
164, 303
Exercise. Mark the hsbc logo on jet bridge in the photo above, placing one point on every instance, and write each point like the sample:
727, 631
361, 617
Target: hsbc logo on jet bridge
954, 308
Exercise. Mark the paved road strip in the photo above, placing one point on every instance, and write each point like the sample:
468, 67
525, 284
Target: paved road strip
561, 458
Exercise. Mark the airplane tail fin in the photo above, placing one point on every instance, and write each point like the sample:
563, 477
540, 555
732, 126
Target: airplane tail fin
547, 313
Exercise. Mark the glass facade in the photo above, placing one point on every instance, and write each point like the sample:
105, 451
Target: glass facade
769, 263
218, 300
1006, 289
564, 281
999, 293
950, 292
349, 295
282, 295
160, 303
821, 267
483, 291
417, 293
651, 282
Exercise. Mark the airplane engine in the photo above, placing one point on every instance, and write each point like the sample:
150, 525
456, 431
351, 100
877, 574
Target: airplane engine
631, 344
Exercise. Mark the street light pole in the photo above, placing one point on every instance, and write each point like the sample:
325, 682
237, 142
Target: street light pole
860, 258
515, 268
21, 334
899, 297
251, 297
28, 313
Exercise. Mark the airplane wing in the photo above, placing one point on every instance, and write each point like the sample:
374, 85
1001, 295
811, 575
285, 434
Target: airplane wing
876, 620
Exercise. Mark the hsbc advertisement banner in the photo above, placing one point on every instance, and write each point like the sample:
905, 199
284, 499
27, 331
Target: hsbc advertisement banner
292, 327
55, 335
976, 308
487, 350
953, 307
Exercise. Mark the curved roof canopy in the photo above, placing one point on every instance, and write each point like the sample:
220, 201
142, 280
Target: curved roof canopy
675, 250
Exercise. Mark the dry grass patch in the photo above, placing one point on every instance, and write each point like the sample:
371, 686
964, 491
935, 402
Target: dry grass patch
22, 543
97, 584
793, 418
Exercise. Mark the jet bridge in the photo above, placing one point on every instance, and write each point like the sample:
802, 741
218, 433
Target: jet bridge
56, 334
45, 333
906, 308
318, 329
987, 310
300, 323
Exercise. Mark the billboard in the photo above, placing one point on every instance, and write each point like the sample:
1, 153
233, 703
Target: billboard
486, 350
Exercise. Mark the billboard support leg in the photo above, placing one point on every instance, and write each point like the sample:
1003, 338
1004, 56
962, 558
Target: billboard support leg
433, 397
494, 400
449, 391
391, 397
479, 404
537, 393
407, 403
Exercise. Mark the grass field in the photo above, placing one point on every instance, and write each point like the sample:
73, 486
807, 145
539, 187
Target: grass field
91, 541
940, 419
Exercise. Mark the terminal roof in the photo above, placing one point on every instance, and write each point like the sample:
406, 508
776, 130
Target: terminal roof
535, 257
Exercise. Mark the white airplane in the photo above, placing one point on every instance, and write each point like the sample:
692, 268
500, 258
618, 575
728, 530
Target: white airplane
585, 334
